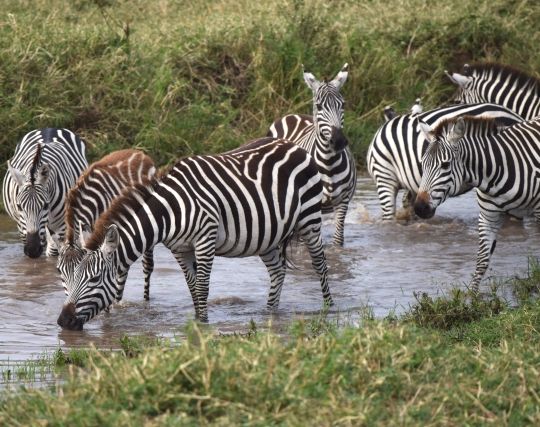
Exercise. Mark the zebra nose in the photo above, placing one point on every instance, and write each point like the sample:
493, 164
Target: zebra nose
422, 207
68, 320
338, 139
33, 247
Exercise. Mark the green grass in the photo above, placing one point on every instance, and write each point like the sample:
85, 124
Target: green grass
176, 78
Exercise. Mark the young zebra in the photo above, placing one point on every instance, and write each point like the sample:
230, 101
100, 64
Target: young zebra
250, 201
502, 164
500, 84
321, 135
46, 164
394, 156
93, 193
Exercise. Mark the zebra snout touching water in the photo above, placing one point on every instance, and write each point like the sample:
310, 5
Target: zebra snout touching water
322, 136
249, 201
501, 163
93, 193
46, 164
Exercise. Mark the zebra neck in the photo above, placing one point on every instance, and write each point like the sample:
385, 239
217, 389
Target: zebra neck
477, 155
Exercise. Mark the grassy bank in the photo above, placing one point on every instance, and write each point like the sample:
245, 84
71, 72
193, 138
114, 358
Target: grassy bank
177, 78
383, 373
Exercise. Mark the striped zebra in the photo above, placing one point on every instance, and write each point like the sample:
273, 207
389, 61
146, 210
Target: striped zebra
499, 84
394, 156
503, 165
46, 164
250, 201
322, 136
93, 193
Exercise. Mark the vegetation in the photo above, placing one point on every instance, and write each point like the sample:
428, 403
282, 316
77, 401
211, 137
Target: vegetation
177, 77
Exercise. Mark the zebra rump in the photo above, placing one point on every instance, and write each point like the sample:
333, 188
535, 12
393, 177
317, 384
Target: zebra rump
46, 164
395, 153
246, 202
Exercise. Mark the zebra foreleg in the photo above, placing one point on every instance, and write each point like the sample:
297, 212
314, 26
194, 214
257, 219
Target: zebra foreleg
205, 251
148, 268
387, 198
275, 264
313, 241
341, 213
488, 227
186, 260
120, 285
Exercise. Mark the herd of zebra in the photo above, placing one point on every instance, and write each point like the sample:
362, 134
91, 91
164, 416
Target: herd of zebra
255, 199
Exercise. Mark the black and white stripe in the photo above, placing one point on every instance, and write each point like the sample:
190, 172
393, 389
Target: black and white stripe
394, 156
46, 164
503, 165
499, 84
322, 136
250, 201
93, 193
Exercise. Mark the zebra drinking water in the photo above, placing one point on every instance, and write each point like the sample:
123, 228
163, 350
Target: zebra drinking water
250, 201
500, 84
93, 193
322, 136
46, 164
395, 153
503, 165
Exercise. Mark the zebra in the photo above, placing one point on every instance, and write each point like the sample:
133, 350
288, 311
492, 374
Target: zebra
46, 164
249, 201
500, 84
322, 136
93, 193
503, 165
395, 153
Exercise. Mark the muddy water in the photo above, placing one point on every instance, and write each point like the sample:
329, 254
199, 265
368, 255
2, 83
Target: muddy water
381, 265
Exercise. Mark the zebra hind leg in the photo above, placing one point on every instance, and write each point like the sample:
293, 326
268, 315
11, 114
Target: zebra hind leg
275, 264
313, 241
148, 268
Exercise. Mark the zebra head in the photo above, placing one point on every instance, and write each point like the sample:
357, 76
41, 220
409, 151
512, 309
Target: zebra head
70, 255
32, 206
94, 284
328, 105
466, 83
442, 170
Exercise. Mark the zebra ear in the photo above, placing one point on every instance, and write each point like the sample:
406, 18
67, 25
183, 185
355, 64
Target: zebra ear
16, 174
457, 131
110, 243
84, 233
311, 81
460, 79
341, 77
426, 131
43, 173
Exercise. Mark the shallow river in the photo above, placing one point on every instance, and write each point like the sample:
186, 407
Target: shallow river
381, 265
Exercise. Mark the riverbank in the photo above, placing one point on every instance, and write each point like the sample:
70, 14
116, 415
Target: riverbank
479, 367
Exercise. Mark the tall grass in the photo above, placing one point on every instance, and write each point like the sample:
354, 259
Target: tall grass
177, 77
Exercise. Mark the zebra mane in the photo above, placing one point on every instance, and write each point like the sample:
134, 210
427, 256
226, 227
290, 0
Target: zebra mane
130, 199
489, 124
523, 78
35, 163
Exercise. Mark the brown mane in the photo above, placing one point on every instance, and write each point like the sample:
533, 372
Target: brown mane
130, 199
118, 165
35, 163
523, 78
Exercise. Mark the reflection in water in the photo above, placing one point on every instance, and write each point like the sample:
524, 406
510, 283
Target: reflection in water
382, 264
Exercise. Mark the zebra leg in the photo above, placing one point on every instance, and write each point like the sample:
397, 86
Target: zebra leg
341, 213
52, 247
488, 227
186, 260
387, 198
148, 268
120, 285
275, 264
205, 251
313, 241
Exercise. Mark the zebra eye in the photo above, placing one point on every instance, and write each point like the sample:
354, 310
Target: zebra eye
445, 165
46, 206
19, 206
319, 106
93, 282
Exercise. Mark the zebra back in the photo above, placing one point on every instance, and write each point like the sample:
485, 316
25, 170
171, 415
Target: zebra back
35, 204
499, 84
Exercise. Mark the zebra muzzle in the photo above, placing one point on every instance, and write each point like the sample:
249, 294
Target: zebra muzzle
338, 139
32, 247
422, 206
68, 320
